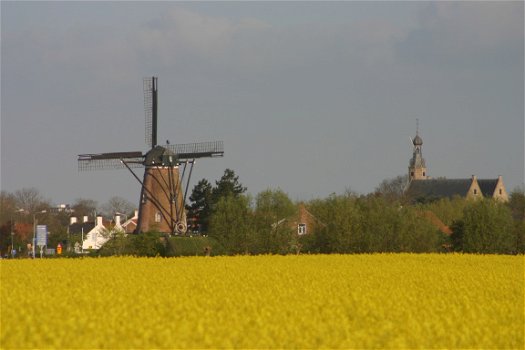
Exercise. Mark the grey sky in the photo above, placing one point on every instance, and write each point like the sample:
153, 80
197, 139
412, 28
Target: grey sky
309, 97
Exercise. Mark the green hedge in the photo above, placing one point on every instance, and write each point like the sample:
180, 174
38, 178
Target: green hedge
196, 245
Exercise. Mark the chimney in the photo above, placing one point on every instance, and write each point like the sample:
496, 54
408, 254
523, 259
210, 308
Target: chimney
85, 219
99, 220
117, 220
72, 220
136, 214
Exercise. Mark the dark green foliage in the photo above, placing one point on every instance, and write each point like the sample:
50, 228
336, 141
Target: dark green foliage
200, 209
486, 227
274, 234
519, 231
228, 185
458, 232
517, 204
517, 208
194, 246
342, 232
448, 210
204, 198
58, 236
144, 244
232, 224
371, 224
149, 244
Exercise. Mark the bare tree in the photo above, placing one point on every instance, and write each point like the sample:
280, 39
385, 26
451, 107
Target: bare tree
30, 199
84, 207
393, 188
118, 204
7, 206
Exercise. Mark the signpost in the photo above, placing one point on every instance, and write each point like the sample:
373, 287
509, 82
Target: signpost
41, 237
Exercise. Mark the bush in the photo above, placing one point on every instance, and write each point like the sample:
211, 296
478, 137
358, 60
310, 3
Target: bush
486, 227
143, 244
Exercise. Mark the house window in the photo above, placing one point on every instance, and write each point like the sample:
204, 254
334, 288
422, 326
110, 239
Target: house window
500, 191
423, 173
475, 191
157, 216
301, 229
411, 173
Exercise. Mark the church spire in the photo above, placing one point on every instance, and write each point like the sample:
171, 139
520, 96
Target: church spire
417, 169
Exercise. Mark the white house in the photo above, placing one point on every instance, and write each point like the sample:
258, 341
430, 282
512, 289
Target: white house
97, 233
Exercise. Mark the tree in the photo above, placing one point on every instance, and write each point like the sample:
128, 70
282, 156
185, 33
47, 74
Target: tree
486, 227
7, 207
231, 224
84, 207
118, 204
201, 201
448, 210
517, 206
272, 209
30, 200
341, 233
204, 198
228, 185
393, 189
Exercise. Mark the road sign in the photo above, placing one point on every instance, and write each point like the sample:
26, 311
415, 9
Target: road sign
41, 235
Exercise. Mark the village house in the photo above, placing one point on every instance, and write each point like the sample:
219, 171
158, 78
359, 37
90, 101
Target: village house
96, 233
130, 225
304, 221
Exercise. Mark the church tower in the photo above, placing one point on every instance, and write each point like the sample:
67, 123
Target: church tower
417, 169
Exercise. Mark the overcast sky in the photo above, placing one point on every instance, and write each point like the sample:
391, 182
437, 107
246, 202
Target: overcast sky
309, 97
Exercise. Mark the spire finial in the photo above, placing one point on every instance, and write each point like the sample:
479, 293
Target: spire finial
417, 126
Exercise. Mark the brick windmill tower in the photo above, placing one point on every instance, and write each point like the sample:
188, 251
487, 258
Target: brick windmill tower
164, 185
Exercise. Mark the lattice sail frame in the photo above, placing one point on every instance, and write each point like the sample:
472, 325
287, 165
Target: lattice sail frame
113, 160
150, 111
184, 155
188, 151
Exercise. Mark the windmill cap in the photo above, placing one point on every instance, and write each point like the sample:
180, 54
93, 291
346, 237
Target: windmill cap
160, 156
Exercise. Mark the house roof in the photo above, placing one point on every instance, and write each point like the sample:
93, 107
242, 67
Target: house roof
78, 226
438, 188
488, 186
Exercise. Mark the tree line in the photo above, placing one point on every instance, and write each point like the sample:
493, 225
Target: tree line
22, 209
382, 221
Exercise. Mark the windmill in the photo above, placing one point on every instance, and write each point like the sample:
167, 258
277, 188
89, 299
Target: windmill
163, 187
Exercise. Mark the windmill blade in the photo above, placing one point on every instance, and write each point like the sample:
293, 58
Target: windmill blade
190, 151
150, 110
110, 160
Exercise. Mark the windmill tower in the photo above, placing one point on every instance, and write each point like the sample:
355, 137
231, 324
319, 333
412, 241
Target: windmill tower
164, 185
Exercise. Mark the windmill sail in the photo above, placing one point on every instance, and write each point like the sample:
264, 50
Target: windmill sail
96, 161
163, 188
150, 111
188, 151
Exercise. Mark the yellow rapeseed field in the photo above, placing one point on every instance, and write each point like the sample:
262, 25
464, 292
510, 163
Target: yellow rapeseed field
307, 301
